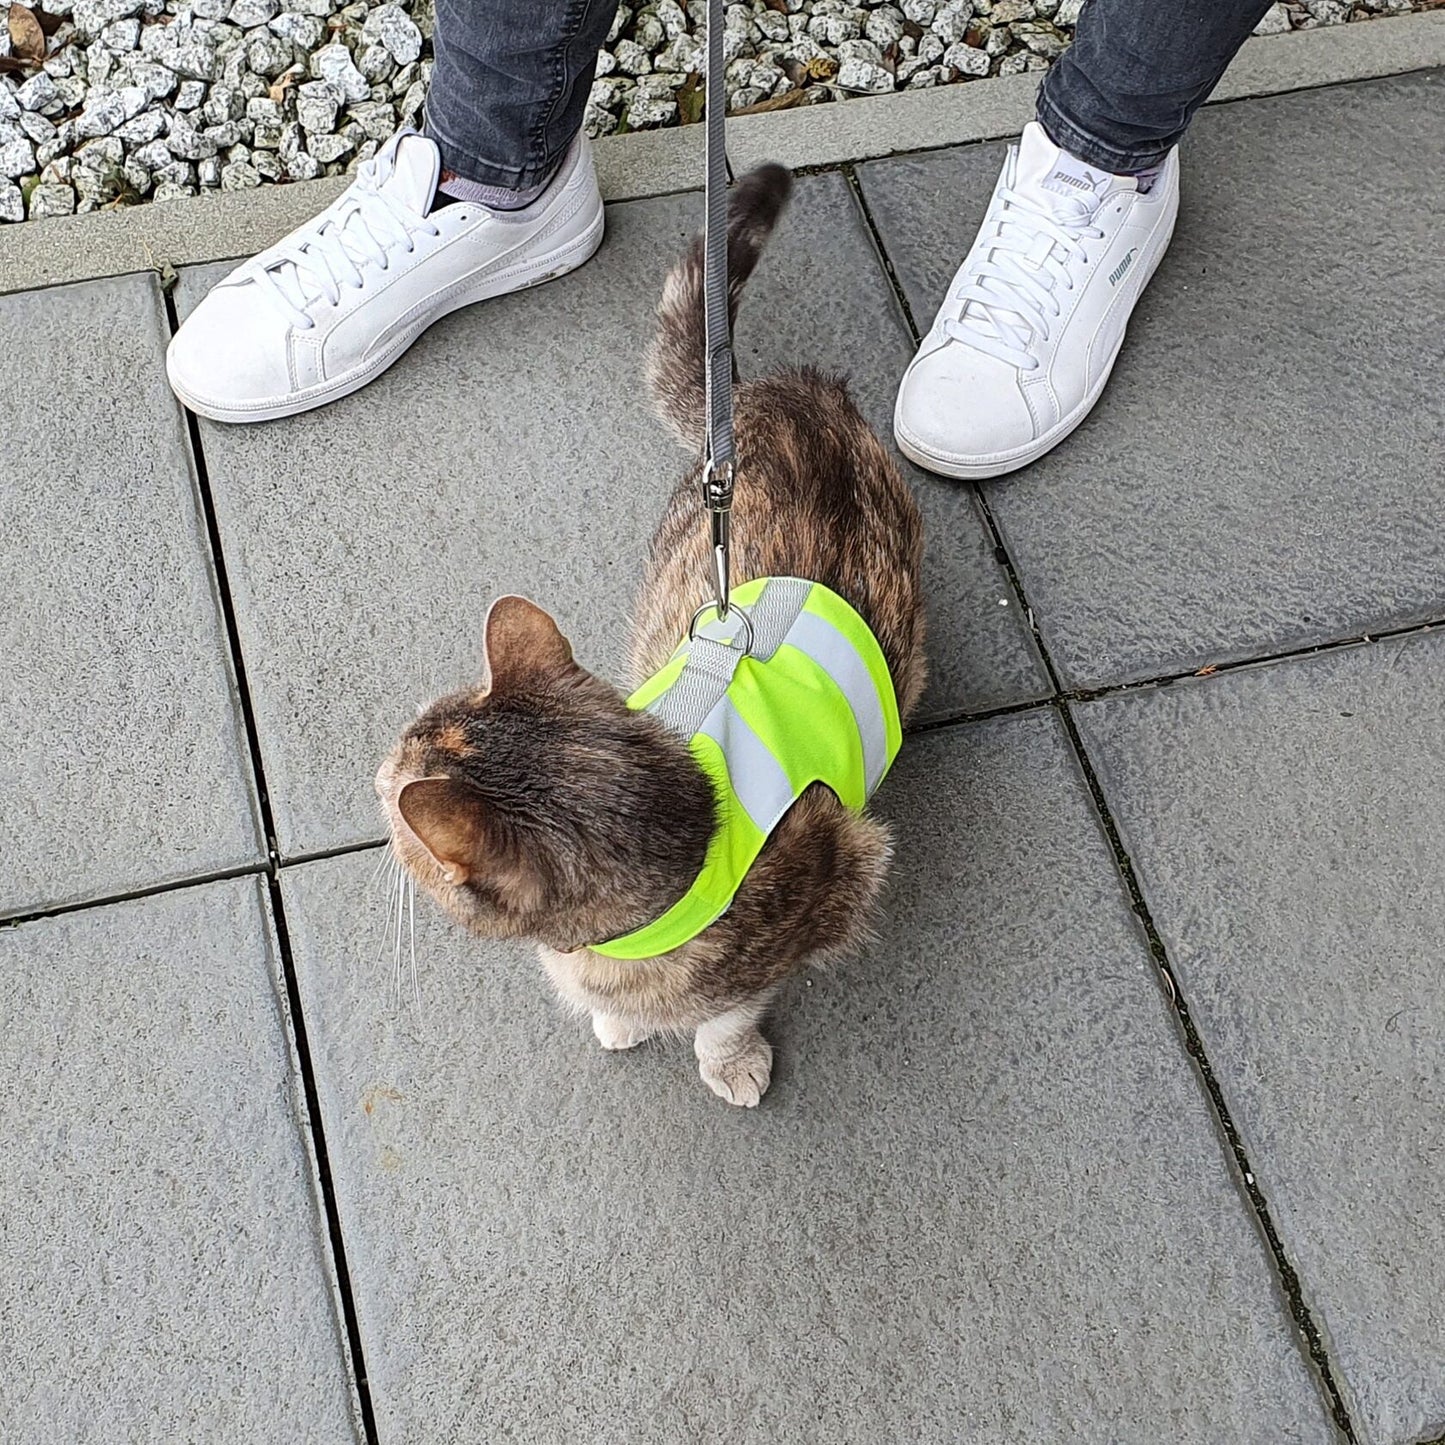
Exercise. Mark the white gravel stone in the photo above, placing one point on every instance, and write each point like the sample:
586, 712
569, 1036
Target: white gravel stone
1275, 21
884, 26
334, 63
305, 32
17, 158
864, 76
52, 200
966, 60
142, 128
317, 103
195, 58
631, 58
392, 27
644, 112
376, 118
269, 55
952, 21
329, 148
378, 64
239, 176
186, 143
37, 92
90, 17
121, 36
36, 127
102, 115
247, 14
12, 202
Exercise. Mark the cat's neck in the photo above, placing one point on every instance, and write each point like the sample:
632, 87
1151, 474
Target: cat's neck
651, 855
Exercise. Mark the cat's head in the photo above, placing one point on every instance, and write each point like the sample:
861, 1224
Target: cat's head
536, 804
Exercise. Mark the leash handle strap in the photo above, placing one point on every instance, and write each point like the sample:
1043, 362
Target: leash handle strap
717, 477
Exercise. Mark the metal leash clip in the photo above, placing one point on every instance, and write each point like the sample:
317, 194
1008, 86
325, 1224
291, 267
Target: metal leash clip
717, 495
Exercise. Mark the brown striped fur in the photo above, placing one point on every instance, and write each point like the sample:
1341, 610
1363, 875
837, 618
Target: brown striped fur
537, 805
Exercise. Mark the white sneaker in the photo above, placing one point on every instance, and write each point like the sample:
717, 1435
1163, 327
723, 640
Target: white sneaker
1028, 333
332, 305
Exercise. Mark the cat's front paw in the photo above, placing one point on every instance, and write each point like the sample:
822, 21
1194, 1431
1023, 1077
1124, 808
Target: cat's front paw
741, 1076
614, 1033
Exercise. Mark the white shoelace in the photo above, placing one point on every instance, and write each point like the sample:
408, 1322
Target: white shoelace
1010, 293
317, 263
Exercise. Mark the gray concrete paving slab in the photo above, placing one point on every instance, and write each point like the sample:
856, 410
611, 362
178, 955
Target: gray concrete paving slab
1262, 471
1285, 822
984, 1200
122, 760
514, 450
164, 1272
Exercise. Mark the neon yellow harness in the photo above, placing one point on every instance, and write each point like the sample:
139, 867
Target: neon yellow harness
812, 701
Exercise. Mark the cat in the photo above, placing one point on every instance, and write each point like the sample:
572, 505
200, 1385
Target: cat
536, 805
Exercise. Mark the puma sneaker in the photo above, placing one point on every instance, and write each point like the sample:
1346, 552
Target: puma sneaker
1028, 333
332, 305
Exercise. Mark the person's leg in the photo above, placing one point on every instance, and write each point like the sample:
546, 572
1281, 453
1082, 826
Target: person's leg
1024, 342
499, 195
1123, 94
510, 85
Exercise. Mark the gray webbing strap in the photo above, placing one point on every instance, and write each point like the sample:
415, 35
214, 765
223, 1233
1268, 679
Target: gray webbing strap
718, 466
711, 662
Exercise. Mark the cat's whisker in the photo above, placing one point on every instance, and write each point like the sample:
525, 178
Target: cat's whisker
390, 866
381, 868
401, 892
415, 981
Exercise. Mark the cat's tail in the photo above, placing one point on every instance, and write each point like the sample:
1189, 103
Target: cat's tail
676, 361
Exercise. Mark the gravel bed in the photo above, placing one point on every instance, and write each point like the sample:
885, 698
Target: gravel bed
115, 102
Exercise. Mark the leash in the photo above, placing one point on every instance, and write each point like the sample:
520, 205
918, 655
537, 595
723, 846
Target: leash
718, 469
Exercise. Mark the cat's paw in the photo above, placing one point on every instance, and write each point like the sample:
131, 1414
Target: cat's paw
741, 1076
615, 1033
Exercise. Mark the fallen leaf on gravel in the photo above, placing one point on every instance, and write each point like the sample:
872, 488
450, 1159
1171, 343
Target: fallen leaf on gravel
9, 65
689, 97
277, 90
27, 39
48, 23
822, 67
786, 101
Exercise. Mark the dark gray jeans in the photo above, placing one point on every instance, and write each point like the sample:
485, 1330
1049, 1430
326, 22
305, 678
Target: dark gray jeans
512, 77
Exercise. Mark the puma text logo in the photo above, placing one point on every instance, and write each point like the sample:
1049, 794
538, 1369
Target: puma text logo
1117, 274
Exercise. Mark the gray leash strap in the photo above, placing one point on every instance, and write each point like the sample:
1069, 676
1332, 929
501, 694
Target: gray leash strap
717, 474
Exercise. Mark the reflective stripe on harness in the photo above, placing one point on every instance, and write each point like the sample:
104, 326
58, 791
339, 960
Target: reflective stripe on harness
812, 702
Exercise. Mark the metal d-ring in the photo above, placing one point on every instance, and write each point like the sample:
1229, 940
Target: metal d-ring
746, 629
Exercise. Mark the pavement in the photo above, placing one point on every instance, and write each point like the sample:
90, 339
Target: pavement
1129, 1126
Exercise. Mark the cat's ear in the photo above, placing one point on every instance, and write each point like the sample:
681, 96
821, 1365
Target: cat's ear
449, 820
521, 641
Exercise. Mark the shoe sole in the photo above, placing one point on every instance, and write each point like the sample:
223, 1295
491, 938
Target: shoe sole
577, 252
1012, 461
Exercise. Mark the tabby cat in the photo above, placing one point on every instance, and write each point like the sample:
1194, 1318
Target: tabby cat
536, 805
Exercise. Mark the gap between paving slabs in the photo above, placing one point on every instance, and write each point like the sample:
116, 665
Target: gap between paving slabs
272, 875
1247, 1178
